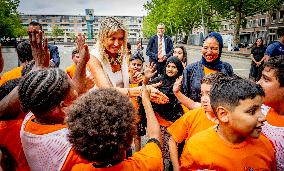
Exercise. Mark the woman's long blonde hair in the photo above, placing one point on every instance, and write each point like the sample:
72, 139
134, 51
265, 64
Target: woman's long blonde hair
109, 25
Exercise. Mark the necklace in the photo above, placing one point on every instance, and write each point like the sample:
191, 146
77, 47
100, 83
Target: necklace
114, 61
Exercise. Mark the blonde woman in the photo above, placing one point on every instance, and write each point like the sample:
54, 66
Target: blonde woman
108, 64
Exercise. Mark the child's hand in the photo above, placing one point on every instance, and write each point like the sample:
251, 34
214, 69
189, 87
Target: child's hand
135, 78
157, 96
150, 70
40, 50
83, 49
177, 84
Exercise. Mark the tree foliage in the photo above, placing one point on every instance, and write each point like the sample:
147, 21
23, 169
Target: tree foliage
184, 15
237, 10
57, 31
178, 16
10, 24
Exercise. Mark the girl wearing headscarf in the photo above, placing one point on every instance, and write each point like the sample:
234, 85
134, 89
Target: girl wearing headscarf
169, 112
209, 63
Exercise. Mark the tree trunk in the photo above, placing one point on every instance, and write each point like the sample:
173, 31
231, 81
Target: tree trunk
267, 25
237, 27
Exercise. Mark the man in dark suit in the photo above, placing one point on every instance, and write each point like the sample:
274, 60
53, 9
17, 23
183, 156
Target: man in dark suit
160, 48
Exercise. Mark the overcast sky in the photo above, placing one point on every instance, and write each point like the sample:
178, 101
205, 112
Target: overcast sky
76, 7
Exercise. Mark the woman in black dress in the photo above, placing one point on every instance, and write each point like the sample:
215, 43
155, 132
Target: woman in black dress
257, 54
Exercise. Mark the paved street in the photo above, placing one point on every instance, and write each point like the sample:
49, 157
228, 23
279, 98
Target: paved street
241, 66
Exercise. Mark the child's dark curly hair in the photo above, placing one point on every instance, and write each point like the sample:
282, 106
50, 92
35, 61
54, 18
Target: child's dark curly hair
101, 125
42, 90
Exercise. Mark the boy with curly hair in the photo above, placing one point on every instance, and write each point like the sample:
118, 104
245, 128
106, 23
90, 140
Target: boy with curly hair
236, 143
102, 125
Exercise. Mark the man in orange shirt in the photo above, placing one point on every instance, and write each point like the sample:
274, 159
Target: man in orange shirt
272, 81
101, 133
236, 142
195, 120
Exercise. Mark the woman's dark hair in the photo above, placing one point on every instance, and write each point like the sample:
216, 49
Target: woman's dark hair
256, 41
42, 90
184, 59
102, 125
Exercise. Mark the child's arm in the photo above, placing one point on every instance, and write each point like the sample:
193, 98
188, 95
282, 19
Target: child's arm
79, 78
173, 153
10, 105
153, 126
187, 102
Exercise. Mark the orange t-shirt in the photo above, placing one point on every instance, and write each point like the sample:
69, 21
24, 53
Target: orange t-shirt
10, 75
206, 150
10, 138
71, 70
273, 118
39, 129
133, 99
147, 159
189, 124
208, 70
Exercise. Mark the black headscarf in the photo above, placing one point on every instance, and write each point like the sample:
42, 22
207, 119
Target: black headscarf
217, 64
172, 110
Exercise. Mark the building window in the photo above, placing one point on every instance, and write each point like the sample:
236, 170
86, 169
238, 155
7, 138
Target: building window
273, 18
281, 16
262, 22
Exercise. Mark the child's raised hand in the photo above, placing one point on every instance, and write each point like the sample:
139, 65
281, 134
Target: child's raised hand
177, 84
150, 70
84, 54
39, 48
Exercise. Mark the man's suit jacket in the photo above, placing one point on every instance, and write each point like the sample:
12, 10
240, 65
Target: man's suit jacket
152, 48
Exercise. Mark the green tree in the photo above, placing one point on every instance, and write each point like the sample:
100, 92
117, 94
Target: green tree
238, 10
178, 16
57, 31
10, 24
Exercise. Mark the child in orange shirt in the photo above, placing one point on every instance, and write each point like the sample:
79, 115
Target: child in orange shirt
102, 124
195, 120
75, 57
236, 142
272, 82
45, 93
24, 53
